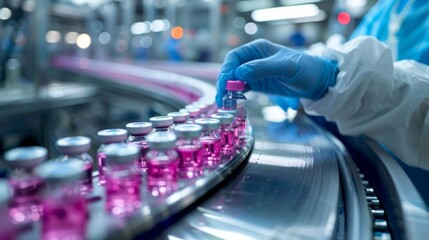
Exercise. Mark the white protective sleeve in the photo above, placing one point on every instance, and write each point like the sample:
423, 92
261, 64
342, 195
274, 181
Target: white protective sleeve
374, 96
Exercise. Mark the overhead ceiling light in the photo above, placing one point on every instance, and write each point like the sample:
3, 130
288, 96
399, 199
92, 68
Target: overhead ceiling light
281, 13
247, 6
320, 17
297, 2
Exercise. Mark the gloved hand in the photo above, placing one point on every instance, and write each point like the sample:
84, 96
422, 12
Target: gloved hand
274, 69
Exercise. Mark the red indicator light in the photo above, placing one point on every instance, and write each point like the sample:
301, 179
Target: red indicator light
343, 18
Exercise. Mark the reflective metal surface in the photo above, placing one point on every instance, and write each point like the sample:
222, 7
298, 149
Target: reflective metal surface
289, 189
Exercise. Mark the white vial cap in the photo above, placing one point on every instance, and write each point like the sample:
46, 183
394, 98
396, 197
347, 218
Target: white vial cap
56, 172
208, 123
139, 128
188, 131
161, 140
201, 106
25, 157
229, 111
161, 121
119, 153
224, 118
73, 145
193, 112
179, 117
112, 135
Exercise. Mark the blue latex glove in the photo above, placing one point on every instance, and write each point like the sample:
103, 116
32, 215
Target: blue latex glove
272, 68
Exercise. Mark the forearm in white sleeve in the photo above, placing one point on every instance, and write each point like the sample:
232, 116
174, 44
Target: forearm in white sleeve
376, 97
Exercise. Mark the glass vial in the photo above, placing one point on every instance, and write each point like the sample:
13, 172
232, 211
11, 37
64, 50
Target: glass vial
162, 163
235, 125
179, 117
201, 106
194, 113
122, 179
226, 132
64, 208
190, 150
162, 123
108, 136
234, 99
137, 136
25, 205
210, 140
77, 148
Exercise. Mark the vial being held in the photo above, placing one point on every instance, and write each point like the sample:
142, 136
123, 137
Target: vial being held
179, 117
235, 125
122, 179
108, 136
210, 140
162, 123
234, 99
194, 113
137, 136
77, 148
64, 208
190, 150
25, 205
162, 163
226, 132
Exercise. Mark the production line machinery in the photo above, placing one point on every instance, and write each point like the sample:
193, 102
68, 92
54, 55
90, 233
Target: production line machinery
291, 180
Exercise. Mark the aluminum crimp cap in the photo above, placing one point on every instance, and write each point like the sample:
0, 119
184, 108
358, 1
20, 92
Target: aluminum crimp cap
73, 145
120, 153
229, 111
188, 131
25, 157
208, 123
193, 112
201, 106
57, 172
139, 128
224, 118
161, 121
179, 117
112, 135
161, 140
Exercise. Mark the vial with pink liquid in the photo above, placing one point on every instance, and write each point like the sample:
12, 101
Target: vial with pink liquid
194, 113
137, 136
190, 150
64, 208
8, 230
210, 140
235, 125
108, 136
162, 123
77, 148
162, 163
179, 117
234, 99
25, 206
122, 179
201, 106
226, 132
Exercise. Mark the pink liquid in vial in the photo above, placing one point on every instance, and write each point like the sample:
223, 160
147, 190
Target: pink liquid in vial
237, 133
162, 176
191, 162
242, 125
123, 194
227, 142
64, 218
101, 157
141, 162
87, 181
211, 150
25, 205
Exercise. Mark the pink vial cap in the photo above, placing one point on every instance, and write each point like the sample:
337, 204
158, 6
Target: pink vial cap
235, 85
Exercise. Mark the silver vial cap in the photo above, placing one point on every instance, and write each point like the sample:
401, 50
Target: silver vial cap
112, 135
229, 111
179, 117
56, 172
224, 118
139, 128
161, 140
161, 121
73, 145
188, 131
193, 112
208, 123
25, 157
201, 106
119, 153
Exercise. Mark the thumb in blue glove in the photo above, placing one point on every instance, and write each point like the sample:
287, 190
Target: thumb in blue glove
274, 69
